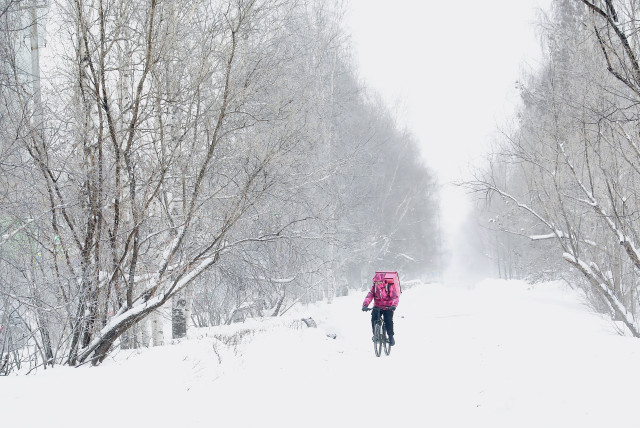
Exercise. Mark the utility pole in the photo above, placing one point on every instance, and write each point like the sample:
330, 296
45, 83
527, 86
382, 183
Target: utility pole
37, 127
35, 64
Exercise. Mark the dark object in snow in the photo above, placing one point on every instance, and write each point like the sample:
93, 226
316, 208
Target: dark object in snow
332, 335
309, 322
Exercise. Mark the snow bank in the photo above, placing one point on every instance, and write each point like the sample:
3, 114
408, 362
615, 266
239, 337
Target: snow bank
502, 354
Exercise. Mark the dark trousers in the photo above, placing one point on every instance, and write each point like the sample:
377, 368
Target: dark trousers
387, 318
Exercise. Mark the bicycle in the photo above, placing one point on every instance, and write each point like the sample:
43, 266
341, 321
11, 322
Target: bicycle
380, 338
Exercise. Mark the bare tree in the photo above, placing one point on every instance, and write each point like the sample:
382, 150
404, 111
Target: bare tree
574, 158
165, 163
219, 150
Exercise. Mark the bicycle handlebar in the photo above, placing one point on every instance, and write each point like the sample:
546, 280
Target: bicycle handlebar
377, 309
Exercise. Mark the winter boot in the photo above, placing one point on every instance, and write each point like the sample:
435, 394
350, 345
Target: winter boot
392, 341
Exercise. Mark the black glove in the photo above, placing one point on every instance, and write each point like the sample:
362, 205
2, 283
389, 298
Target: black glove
393, 308
365, 308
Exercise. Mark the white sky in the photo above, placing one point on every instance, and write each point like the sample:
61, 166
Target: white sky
448, 71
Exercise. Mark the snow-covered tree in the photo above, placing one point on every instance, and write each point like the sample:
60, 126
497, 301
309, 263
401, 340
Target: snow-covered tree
573, 161
216, 151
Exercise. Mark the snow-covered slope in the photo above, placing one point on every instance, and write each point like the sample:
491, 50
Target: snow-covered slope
503, 354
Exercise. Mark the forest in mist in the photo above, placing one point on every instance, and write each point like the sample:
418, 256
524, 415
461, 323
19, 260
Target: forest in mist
563, 183
201, 161
204, 162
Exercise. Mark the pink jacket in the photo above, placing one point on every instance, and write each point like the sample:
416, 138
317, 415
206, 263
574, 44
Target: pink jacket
382, 294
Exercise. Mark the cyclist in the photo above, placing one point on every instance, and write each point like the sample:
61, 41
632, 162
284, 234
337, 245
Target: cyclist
384, 295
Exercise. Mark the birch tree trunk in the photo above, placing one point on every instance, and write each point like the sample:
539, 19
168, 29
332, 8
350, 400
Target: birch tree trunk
157, 329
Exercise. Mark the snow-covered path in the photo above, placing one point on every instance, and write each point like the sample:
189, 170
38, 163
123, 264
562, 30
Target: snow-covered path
501, 355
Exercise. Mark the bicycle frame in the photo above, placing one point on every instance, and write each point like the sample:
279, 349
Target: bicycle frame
380, 334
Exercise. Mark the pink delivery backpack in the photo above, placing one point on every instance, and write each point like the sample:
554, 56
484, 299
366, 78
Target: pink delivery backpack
392, 278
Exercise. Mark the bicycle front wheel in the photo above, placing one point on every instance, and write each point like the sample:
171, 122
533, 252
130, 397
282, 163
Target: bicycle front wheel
385, 341
377, 339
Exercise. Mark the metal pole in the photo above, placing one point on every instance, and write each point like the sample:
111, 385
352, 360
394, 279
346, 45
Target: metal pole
35, 66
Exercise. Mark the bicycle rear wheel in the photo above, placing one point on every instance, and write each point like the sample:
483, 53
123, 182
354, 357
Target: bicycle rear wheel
385, 341
377, 339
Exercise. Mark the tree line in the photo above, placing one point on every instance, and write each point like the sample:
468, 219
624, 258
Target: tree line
563, 184
220, 158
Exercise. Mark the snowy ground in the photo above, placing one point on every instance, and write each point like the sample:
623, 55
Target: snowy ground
503, 354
